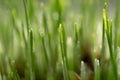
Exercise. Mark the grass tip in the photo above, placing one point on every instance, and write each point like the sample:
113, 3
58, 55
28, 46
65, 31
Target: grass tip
60, 28
97, 62
30, 30
105, 18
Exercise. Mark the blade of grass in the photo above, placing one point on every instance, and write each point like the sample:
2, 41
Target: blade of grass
27, 68
112, 56
102, 62
44, 18
48, 62
24, 38
76, 34
108, 30
13, 16
44, 47
57, 17
65, 70
83, 74
97, 70
58, 6
62, 41
32, 56
77, 37
26, 15
63, 52
47, 32
116, 24
31, 9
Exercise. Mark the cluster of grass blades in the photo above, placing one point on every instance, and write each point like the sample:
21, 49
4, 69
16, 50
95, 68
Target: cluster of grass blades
53, 41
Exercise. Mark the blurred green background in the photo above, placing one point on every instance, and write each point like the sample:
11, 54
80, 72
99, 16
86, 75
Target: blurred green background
36, 54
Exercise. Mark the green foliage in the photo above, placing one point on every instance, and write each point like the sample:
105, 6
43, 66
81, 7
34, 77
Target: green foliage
57, 39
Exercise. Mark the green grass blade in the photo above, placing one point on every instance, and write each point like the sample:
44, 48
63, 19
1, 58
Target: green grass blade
108, 30
83, 74
24, 38
63, 51
32, 56
65, 70
76, 30
116, 24
13, 16
31, 9
44, 47
62, 41
26, 15
97, 70
103, 52
45, 24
